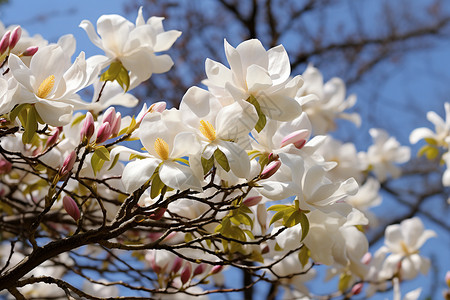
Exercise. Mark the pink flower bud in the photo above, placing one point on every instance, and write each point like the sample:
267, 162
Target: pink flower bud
71, 208
300, 144
115, 128
4, 42
177, 264
109, 116
186, 273
216, 269
158, 107
5, 166
53, 138
270, 169
250, 201
151, 258
30, 51
200, 269
103, 133
88, 128
15, 37
159, 213
295, 137
357, 288
68, 163
273, 157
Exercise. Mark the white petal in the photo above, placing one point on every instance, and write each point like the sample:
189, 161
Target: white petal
90, 30
279, 66
138, 172
179, 176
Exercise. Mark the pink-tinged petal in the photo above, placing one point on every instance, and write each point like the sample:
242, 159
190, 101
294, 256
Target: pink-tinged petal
199, 269
71, 207
295, 137
88, 127
4, 42
103, 133
252, 201
90, 30
257, 79
270, 169
178, 263
186, 273
109, 115
5, 166
30, 51
68, 163
15, 37
138, 172
216, 269
179, 177
279, 65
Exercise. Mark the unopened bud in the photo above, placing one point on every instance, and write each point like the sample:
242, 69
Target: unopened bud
270, 169
186, 273
88, 128
115, 128
159, 213
366, 258
251, 201
68, 163
103, 133
30, 51
158, 107
4, 42
53, 138
151, 257
357, 288
109, 116
15, 37
5, 166
297, 138
216, 269
200, 269
71, 207
177, 265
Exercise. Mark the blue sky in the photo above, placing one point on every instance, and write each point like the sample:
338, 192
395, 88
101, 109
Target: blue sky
53, 18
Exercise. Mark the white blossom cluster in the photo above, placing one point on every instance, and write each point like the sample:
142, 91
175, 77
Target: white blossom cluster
256, 126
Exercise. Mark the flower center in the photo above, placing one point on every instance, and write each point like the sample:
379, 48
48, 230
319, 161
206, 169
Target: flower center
162, 149
207, 130
46, 87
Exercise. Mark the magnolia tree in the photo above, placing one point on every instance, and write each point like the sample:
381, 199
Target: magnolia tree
243, 175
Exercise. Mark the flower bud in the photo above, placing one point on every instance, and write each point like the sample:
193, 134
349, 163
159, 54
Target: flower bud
88, 128
272, 156
177, 264
68, 163
53, 138
151, 257
115, 128
251, 201
357, 288
270, 169
109, 116
200, 269
30, 51
159, 213
71, 207
103, 133
366, 258
4, 42
186, 273
15, 37
216, 269
158, 107
5, 166
297, 138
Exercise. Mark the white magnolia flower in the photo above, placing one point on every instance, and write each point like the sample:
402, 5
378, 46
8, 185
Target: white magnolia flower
330, 103
51, 83
384, 152
258, 73
164, 137
403, 241
413, 295
442, 128
368, 196
133, 45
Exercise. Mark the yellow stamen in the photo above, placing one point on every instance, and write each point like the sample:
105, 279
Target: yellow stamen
46, 86
162, 149
208, 130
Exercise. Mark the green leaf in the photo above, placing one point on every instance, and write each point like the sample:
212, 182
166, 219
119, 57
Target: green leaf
132, 125
279, 215
115, 161
207, 164
263, 161
123, 79
16, 111
103, 153
256, 256
303, 255
304, 222
188, 237
431, 141
117, 72
279, 207
278, 248
31, 125
261, 117
250, 234
221, 159
156, 187
344, 282
292, 218
97, 163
